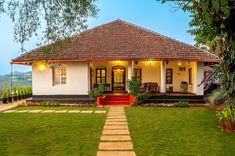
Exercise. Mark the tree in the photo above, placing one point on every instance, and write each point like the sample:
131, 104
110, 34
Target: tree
213, 24
62, 18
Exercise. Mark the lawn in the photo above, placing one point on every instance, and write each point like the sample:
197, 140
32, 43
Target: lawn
177, 131
50, 134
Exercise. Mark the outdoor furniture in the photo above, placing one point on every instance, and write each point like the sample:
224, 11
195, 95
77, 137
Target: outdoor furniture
152, 87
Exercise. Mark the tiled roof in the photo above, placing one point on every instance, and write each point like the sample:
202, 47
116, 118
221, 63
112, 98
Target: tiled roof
123, 41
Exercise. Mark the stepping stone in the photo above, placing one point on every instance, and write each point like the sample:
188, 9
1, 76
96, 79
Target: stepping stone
34, 111
86, 111
22, 111
116, 153
48, 111
116, 146
115, 138
9, 111
98, 111
74, 111
123, 127
116, 132
60, 111
113, 120
116, 117
115, 123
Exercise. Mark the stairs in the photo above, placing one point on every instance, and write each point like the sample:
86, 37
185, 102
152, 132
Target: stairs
116, 100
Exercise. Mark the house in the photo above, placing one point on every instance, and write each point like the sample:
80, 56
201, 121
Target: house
113, 53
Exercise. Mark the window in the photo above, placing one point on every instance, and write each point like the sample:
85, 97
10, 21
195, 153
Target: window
169, 76
138, 74
59, 76
190, 76
100, 75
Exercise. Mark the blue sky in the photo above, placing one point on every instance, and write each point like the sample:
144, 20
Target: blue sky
150, 14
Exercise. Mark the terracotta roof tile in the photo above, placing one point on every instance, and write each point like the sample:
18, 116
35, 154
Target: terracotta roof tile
123, 41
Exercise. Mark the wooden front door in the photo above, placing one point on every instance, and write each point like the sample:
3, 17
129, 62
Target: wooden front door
118, 79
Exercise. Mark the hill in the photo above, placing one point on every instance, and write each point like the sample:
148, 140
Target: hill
18, 78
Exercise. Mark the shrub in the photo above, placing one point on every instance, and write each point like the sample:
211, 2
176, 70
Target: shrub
134, 88
217, 97
182, 103
49, 103
142, 97
228, 113
14, 91
97, 92
5, 92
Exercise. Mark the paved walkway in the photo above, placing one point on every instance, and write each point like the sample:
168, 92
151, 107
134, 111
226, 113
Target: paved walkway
4, 107
54, 111
115, 139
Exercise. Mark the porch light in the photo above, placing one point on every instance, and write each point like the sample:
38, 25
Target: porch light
42, 65
148, 63
117, 62
179, 63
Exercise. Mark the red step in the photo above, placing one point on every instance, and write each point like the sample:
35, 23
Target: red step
116, 100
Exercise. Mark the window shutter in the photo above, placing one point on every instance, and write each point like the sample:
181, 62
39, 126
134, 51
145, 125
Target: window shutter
53, 76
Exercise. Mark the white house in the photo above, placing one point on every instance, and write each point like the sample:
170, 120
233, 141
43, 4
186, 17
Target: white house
113, 53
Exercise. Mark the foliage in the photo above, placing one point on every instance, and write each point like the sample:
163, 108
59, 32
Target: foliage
228, 113
182, 103
217, 97
5, 92
49, 103
142, 97
134, 88
97, 92
14, 91
55, 19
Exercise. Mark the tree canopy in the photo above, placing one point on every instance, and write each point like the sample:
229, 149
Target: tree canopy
55, 19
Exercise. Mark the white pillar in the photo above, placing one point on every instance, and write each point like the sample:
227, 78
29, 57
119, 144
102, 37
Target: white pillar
199, 74
163, 77
129, 71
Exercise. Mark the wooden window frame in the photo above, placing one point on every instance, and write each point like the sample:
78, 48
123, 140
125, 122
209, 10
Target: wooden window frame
171, 76
190, 76
140, 73
60, 76
100, 75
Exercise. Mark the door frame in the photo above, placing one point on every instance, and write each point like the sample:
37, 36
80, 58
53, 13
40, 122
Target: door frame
124, 76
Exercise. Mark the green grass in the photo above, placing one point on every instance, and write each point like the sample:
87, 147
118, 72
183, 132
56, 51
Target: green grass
178, 131
59, 108
50, 134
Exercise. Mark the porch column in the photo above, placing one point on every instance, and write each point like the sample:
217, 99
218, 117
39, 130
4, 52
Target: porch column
90, 67
198, 76
163, 77
129, 71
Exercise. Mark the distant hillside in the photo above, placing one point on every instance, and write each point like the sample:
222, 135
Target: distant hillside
18, 78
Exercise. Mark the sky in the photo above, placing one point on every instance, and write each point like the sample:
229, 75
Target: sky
149, 14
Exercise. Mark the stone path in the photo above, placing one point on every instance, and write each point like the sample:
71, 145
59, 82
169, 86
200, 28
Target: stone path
55, 111
4, 107
115, 139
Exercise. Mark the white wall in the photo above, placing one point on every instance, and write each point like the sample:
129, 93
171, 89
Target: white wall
77, 81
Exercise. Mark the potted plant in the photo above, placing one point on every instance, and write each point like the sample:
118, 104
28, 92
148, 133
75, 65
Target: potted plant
97, 93
4, 95
9, 94
14, 92
19, 93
